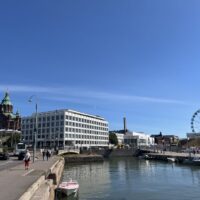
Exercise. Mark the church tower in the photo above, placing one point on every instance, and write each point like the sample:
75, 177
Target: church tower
6, 105
9, 120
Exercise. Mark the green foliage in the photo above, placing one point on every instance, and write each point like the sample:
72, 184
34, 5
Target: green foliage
13, 139
113, 139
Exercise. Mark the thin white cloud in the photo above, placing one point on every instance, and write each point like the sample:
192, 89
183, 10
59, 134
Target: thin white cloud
24, 88
81, 95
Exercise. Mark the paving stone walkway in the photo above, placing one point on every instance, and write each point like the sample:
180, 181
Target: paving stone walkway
16, 180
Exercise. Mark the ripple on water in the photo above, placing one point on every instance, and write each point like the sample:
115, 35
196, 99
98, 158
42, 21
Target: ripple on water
129, 178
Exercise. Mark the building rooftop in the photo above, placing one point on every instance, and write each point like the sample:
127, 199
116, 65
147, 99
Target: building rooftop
71, 111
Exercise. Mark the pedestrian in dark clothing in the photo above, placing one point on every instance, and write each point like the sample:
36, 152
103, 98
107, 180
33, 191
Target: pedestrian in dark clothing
43, 154
47, 154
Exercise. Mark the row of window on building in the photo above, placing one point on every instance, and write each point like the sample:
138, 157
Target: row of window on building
60, 136
61, 117
92, 142
69, 130
61, 123
86, 136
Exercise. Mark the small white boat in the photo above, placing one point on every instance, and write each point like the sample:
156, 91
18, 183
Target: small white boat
171, 159
68, 188
196, 161
192, 161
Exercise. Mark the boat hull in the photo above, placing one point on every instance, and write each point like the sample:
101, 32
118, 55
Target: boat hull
68, 188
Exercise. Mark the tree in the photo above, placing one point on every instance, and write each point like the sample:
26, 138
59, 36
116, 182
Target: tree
113, 139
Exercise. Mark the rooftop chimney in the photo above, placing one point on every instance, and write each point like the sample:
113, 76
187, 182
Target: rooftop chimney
125, 128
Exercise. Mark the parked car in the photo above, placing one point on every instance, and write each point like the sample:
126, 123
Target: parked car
21, 155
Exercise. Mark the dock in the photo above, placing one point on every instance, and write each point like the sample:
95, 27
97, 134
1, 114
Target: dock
168, 154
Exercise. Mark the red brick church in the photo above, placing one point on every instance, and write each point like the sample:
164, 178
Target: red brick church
8, 119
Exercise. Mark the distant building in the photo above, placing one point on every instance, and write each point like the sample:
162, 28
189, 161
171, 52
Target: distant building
134, 139
138, 139
158, 138
120, 138
193, 135
8, 119
171, 139
165, 139
66, 128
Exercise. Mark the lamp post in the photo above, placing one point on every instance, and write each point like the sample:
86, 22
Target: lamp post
188, 146
36, 125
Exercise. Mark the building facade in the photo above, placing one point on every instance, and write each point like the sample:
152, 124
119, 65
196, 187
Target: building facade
193, 135
138, 139
166, 139
65, 127
120, 138
134, 139
8, 119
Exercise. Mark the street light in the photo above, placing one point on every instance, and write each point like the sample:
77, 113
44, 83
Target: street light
36, 125
188, 146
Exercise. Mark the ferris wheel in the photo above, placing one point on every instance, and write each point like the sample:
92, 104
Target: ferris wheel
195, 122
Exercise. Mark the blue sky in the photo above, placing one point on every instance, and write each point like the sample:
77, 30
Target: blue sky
138, 59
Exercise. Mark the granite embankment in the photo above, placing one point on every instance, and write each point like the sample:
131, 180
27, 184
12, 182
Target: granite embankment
80, 158
109, 153
50, 180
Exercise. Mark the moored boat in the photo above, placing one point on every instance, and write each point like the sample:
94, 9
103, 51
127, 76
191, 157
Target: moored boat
68, 188
192, 161
171, 159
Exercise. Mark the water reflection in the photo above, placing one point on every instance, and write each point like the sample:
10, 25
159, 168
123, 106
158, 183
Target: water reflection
92, 177
129, 178
60, 196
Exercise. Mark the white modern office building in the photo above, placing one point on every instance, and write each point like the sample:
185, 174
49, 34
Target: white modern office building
65, 127
138, 139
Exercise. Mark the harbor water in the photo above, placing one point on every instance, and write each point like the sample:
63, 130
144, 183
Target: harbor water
130, 178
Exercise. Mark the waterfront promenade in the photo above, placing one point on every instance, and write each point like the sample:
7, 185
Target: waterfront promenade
15, 181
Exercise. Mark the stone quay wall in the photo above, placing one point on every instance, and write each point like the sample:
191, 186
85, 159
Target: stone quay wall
109, 153
82, 158
44, 187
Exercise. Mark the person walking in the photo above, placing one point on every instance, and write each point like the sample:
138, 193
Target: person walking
43, 154
27, 159
47, 154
